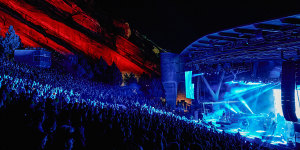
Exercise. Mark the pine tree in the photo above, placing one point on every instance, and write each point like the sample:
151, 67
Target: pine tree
132, 78
1, 45
11, 41
101, 70
126, 78
129, 78
103, 66
116, 75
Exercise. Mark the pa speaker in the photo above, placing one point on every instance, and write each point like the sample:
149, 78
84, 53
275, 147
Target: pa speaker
288, 90
297, 127
297, 72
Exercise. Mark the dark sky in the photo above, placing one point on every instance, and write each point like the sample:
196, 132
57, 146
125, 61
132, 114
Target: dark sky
173, 25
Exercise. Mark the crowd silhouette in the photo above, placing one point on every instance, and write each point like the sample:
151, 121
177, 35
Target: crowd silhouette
46, 109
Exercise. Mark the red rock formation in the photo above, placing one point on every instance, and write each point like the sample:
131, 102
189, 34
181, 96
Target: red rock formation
73, 32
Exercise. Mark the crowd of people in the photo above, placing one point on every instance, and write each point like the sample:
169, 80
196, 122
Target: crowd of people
48, 109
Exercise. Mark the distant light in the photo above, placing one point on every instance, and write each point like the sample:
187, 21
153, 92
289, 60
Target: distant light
279, 142
260, 131
254, 83
220, 130
277, 136
233, 110
252, 136
198, 74
243, 133
231, 82
230, 108
245, 83
234, 130
245, 104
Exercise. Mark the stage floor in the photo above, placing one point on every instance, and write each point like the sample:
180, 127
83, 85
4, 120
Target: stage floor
280, 134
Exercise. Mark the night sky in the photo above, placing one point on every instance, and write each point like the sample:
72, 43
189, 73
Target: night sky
173, 25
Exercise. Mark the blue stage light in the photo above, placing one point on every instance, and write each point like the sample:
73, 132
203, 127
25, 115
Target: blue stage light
237, 92
233, 110
230, 108
245, 104
260, 131
245, 83
244, 133
263, 91
236, 108
198, 74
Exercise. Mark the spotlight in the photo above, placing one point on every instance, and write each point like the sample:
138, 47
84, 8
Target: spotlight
245, 104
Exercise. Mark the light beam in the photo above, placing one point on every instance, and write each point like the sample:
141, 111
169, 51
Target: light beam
245, 104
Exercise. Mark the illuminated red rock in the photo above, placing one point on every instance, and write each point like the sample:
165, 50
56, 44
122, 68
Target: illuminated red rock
29, 37
67, 29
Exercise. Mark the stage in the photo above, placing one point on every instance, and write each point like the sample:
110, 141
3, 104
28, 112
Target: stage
253, 110
249, 79
254, 129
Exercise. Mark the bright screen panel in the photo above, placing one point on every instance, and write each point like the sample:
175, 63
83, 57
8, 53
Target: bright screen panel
189, 86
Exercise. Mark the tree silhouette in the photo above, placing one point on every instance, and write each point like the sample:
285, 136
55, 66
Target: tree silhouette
101, 70
129, 78
10, 42
116, 75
